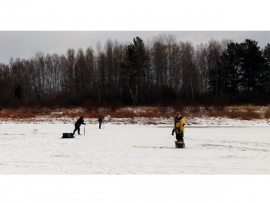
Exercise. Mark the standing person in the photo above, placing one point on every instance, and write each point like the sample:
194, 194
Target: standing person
179, 127
100, 120
78, 123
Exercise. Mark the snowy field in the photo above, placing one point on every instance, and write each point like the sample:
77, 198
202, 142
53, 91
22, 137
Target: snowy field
90, 167
133, 149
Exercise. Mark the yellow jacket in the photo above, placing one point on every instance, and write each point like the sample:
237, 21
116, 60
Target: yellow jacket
179, 124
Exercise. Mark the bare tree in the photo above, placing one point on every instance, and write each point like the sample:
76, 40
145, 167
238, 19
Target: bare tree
189, 74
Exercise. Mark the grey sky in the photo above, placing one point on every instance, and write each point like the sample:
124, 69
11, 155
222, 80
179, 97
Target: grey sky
25, 44
50, 26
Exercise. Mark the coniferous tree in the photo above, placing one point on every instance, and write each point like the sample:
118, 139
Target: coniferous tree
252, 66
133, 69
266, 71
232, 67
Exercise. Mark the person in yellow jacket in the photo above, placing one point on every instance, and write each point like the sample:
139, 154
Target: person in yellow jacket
179, 127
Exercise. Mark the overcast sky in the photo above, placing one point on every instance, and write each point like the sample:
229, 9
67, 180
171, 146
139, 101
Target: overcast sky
50, 26
25, 44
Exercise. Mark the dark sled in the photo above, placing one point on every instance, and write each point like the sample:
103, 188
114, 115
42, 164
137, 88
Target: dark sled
68, 135
179, 144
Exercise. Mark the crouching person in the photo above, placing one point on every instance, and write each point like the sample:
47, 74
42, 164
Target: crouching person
78, 123
179, 127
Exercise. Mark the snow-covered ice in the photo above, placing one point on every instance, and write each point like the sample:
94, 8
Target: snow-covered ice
133, 149
90, 167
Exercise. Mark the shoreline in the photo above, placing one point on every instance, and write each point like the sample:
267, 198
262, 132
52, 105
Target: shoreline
190, 122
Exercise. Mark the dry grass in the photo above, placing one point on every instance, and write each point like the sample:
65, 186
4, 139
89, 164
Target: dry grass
267, 115
247, 112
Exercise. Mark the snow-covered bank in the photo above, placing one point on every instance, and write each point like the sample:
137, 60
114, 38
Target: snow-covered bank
227, 122
194, 121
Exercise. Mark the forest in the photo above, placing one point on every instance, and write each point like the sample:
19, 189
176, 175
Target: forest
160, 71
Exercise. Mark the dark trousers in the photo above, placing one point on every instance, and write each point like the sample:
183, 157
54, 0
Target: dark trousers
76, 128
180, 137
100, 124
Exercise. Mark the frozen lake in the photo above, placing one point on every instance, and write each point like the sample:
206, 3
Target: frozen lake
133, 149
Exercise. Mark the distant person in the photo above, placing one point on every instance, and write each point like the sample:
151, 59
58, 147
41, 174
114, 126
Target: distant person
179, 127
78, 123
100, 120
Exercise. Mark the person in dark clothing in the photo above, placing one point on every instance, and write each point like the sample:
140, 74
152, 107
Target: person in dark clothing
78, 123
100, 119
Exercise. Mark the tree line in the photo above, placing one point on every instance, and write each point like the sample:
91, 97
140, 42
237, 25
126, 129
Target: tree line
161, 71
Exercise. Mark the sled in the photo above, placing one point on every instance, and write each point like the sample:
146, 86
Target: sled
179, 144
68, 135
